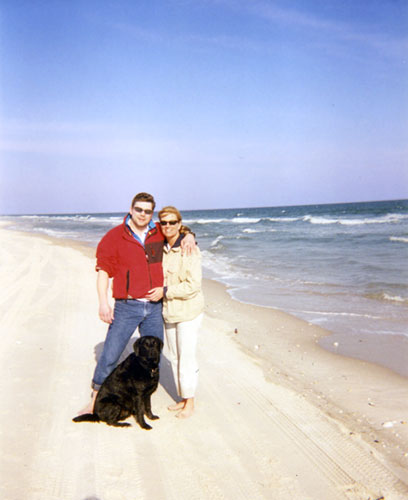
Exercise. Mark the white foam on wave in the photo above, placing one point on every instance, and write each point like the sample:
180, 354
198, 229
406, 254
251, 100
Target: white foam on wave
349, 314
227, 271
384, 296
219, 265
204, 221
73, 218
311, 219
245, 220
386, 219
395, 298
249, 230
234, 220
57, 217
319, 220
283, 219
399, 239
54, 233
215, 242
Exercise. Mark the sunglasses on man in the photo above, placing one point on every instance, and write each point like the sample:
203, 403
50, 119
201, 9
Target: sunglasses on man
142, 210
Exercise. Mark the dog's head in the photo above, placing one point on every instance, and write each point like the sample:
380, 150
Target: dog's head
148, 350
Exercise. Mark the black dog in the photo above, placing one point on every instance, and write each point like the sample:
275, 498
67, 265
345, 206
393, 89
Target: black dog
127, 390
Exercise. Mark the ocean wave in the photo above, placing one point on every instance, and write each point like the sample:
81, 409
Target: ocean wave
313, 283
230, 271
249, 230
72, 218
311, 219
243, 237
58, 217
245, 220
399, 238
283, 219
319, 220
204, 221
386, 219
215, 243
328, 314
234, 220
54, 233
241, 220
386, 297
220, 265
395, 298
84, 220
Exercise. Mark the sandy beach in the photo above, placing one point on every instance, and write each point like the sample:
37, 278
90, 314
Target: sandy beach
278, 417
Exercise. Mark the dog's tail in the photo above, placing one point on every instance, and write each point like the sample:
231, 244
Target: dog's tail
87, 417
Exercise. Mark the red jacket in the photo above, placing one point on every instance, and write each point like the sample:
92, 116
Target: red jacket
135, 270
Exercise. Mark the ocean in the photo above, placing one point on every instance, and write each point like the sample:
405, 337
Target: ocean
341, 266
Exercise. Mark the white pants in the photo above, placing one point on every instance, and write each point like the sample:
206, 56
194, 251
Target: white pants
181, 341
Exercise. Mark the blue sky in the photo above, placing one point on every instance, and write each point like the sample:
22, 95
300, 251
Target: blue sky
203, 103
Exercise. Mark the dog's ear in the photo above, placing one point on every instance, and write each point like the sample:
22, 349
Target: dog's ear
136, 346
160, 343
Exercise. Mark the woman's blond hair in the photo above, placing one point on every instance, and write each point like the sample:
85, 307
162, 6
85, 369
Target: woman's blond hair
170, 210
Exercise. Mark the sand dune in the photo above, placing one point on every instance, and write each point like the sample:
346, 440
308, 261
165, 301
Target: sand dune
277, 416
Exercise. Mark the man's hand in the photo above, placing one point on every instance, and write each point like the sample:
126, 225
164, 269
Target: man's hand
155, 294
188, 244
102, 284
106, 313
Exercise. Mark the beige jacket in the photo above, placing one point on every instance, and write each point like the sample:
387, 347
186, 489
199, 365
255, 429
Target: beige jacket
184, 299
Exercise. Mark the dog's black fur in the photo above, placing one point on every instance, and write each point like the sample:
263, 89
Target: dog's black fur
127, 390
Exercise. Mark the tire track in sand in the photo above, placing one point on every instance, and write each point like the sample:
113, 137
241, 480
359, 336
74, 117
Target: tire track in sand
110, 461
351, 467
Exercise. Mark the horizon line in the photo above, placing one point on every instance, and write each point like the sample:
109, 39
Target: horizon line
208, 209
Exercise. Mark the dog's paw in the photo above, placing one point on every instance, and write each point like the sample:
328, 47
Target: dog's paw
153, 417
145, 426
119, 424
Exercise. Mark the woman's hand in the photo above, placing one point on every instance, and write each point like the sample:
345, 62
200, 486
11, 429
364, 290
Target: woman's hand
188, 244
155, 294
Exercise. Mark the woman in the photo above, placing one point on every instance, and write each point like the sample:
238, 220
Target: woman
183, 306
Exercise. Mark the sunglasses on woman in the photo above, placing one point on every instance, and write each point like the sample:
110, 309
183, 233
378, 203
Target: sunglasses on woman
171, 222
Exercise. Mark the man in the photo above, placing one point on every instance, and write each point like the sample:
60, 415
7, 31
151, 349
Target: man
131, 254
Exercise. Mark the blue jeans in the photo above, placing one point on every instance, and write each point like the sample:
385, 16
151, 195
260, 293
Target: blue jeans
128, 314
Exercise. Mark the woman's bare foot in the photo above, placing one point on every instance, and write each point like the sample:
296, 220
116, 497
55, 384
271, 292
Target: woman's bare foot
188, 409
90, 406
177, 406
